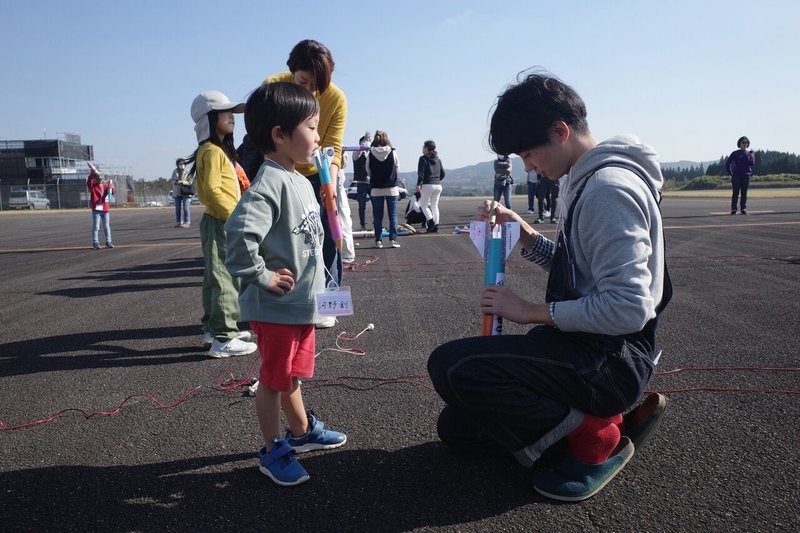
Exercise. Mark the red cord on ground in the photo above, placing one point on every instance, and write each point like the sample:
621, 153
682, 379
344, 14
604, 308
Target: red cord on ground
226, 381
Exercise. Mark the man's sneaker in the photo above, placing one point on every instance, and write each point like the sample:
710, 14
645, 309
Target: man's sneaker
546, 213
246, 336
232, 348
552, 221
575, 480
280, 464
642, 421
378, 244
395, 244
96, 245
316, 438
744, 211
109, 245
538, 220
326, 322
530, 211
733, 211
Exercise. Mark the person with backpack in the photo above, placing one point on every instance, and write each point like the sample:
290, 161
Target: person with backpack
593, 352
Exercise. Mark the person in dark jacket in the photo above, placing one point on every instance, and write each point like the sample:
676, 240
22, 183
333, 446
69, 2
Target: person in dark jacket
249, 158
503, 179
740, 167
382, 166
361, 181
430, 174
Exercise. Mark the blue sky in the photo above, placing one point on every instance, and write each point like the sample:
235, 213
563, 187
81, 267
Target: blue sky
689, 77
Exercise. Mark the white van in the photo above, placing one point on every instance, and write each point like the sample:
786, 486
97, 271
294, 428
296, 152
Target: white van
28, 200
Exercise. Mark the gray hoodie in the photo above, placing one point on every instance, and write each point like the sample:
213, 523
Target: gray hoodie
616, 239
276, 225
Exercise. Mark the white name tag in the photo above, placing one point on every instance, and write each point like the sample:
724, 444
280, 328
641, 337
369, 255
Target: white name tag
335, 301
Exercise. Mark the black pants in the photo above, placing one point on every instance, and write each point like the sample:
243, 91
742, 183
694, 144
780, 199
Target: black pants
547, 190
524, 393
739, 184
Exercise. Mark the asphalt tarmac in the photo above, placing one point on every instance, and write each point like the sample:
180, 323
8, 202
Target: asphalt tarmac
86, 330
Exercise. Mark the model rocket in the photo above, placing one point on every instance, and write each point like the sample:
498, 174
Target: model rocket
322, 159
494, 242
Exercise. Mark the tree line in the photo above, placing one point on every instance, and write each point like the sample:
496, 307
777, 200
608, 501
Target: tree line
767, 162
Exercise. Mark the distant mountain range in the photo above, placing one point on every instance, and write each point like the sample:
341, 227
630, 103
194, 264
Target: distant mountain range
685, 164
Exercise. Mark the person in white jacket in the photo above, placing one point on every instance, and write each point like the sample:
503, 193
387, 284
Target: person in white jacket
382, 166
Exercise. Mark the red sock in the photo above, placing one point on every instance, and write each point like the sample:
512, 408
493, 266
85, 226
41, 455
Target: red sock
594, 440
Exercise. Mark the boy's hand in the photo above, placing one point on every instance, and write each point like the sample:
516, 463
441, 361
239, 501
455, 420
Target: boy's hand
282, 282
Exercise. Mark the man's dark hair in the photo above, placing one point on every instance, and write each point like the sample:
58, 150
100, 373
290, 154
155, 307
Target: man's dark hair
281, 104
524, 113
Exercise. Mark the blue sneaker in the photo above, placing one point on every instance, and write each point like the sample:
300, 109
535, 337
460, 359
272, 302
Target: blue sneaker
280, 464
317, 437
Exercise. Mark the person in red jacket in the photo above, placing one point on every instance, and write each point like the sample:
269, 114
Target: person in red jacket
99, 190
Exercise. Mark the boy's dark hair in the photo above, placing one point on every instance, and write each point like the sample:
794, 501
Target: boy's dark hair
741, 140
281, 104
524, 113
314, 57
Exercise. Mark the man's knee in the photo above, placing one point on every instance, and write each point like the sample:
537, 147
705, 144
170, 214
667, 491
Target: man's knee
437, 364
460, 432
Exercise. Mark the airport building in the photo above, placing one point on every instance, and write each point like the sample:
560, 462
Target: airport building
57, 167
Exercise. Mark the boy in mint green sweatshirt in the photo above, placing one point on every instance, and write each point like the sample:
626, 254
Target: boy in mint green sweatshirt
274, 244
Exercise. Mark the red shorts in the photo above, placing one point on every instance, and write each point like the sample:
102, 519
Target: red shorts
287, 352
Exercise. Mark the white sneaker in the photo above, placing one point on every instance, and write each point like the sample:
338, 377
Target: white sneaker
395, 244
246, 336
546, 213
326, 322
530, 211
231, 348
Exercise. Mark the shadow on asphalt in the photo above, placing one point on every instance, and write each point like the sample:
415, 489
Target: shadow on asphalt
104, 349
183, 268
361, 490
90, 292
